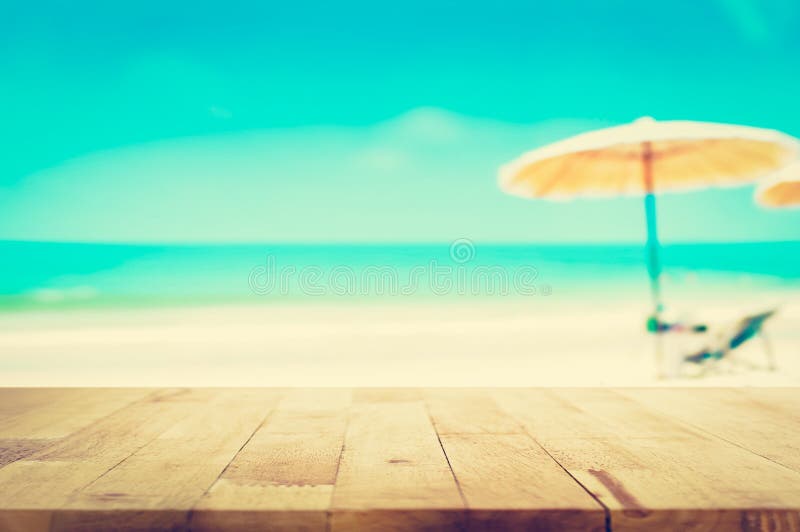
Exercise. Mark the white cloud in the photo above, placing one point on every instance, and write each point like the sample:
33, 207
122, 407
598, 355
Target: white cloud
762, 23
381, 159
424, 175
748, 19
429, 124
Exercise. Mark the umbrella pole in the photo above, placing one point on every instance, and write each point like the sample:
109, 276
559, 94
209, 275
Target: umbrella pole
653, 263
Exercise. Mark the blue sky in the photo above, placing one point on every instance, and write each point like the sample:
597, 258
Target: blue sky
253, 121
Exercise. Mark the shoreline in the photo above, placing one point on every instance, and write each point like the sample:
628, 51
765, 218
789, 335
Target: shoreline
503, 343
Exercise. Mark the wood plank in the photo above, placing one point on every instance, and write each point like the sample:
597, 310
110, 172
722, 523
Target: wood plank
194, 451
393, 474
733, 415
386, 395
508, 481
220, 459
468, 411
12, 450
785, 400
283, 478
36, 486
14, 401
67, 412
652, 471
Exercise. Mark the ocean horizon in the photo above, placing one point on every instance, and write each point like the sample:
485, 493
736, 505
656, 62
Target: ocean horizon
42, 275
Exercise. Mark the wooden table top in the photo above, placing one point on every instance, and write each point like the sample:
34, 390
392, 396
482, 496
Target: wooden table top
399, 459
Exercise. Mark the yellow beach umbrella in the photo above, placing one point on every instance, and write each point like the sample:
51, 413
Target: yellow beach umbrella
783, 190
647, 157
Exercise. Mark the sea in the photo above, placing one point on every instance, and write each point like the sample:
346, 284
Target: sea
55, 275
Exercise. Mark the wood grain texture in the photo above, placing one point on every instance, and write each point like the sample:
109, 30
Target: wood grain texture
283, 478
64, 412
34, 418
36, 486
12, 450
393, 474
162, 480
768, 428
14, 401
508, 481
654, 472
467, 411
59, 487
399, 459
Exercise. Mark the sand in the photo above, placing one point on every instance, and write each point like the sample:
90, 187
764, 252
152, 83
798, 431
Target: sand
452, 342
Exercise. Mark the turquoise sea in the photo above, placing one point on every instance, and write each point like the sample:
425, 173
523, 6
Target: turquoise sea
66, 275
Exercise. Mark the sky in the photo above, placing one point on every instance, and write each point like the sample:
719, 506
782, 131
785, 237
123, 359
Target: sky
367, 122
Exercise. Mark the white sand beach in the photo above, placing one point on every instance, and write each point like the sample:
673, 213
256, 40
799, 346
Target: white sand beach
433, 343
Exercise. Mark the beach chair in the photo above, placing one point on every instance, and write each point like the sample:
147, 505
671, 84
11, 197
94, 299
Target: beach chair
745, 329
675, 333
655, 325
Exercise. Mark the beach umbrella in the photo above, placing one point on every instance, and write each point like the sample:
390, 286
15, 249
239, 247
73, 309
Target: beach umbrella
646, 157
783, 190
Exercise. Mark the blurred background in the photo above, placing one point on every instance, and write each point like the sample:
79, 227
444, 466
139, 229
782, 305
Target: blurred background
158, 155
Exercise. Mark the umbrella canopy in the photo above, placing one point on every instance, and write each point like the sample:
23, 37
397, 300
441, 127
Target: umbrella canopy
783, 190
646, 157
680, 154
